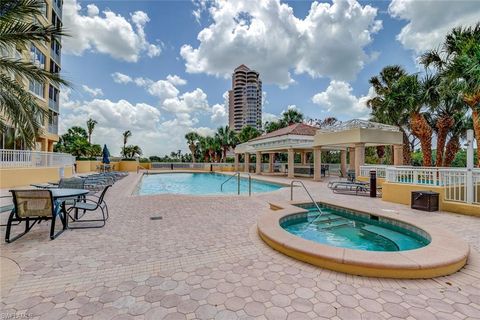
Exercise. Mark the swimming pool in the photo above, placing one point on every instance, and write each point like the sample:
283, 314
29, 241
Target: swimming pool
198, 184
353, 230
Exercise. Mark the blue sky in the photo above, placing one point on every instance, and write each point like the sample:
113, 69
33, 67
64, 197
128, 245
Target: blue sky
161, 68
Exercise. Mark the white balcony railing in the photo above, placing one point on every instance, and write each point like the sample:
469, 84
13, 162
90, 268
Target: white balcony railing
28, 159
379, 169
455, 181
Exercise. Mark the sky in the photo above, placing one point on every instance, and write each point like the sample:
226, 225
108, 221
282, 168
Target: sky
162, 68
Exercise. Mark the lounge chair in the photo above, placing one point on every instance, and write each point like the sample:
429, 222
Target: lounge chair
358, 189
89, 204
34, 206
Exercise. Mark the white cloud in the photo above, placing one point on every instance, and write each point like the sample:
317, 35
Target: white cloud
269, 117
96, 92
265, 35
188, 102
430, 20
205, 131
121, 78
110, 34
219, 115
176, 80
338, 100
155, 135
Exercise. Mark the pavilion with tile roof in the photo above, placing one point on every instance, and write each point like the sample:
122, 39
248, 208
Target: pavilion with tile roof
350, 136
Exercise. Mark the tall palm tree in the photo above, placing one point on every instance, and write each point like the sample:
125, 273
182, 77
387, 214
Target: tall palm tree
458, 59
247, 133
127, 134
459, 131
385, 106
19, 28
90, 126
291, 116
227, 139
192, 140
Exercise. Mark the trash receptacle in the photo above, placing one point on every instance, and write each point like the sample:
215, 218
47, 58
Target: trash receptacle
425, 200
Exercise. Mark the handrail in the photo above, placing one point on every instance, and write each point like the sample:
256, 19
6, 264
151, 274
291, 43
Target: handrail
237, 174
306, 190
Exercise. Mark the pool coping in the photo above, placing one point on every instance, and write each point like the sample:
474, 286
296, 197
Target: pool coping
445, 254
135, 185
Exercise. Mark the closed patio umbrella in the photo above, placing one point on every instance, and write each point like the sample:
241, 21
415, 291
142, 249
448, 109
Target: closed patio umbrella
105, 155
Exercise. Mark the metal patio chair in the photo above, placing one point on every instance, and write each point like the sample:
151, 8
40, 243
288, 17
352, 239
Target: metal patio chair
89, 204
32, 206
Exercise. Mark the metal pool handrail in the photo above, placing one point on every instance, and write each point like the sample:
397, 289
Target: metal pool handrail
237, 174
306, 190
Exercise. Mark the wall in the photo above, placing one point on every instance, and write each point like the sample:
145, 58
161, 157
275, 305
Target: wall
401, 193
17, 177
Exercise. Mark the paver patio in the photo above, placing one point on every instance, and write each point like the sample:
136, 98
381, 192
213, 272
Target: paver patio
204, 260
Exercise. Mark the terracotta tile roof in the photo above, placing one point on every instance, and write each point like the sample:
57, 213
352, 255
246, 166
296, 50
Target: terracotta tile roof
294, 129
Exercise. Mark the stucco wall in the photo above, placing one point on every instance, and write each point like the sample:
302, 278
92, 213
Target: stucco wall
16, 177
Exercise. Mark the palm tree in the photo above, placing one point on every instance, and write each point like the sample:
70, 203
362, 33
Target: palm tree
248, 133
291, 116
457, 60
227, 139
132, 151
90, 126
192, 140
19, 28
127, 134
415, 93
385, 107
458, 131
203, 146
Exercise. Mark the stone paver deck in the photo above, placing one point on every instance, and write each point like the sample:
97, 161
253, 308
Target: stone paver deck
204, 260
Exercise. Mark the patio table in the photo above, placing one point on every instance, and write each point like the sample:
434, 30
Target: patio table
64, 194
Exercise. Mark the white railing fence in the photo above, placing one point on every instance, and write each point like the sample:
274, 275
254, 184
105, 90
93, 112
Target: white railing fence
192, 166
454, 180
28, 159
379, 169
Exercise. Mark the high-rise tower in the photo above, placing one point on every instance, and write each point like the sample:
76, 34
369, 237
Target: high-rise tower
245, 99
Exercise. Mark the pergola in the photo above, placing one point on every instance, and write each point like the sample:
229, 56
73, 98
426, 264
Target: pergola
351, 136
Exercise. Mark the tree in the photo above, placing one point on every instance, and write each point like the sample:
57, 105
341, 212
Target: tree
458, 59
127, 134
94, 150
248, 133
414, 93
227, 139
132, 151
292, 116
192, 140
18, 29
90, 126
386, 108
458, 131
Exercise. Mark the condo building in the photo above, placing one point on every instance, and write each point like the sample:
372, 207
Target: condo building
245, 99
46, 55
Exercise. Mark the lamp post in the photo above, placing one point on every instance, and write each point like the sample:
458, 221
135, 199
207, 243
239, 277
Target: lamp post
469, 182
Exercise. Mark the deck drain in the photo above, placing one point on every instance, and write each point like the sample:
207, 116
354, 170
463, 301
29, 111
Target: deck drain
156, 218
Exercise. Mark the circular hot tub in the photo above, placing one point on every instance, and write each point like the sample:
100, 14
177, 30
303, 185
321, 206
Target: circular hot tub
362, 243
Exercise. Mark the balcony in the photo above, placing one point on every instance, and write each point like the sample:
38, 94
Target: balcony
58, 11
57, 57
54, 105
53, 128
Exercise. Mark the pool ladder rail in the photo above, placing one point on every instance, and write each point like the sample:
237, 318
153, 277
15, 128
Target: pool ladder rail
237, 174
309, 195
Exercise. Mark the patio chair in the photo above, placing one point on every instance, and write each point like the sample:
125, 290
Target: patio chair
89, 204
358, 189
72, 183
4, 207
33, 206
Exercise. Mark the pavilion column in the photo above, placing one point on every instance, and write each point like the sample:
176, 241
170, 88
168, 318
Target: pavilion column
359, 157
351, 164
258, 162
237, 161
291, 163
343, 162
398, 155
247, 162
317, 163
303, 157
271, 161
44, 144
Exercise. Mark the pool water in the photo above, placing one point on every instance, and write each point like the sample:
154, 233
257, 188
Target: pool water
342, 229
198, 184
